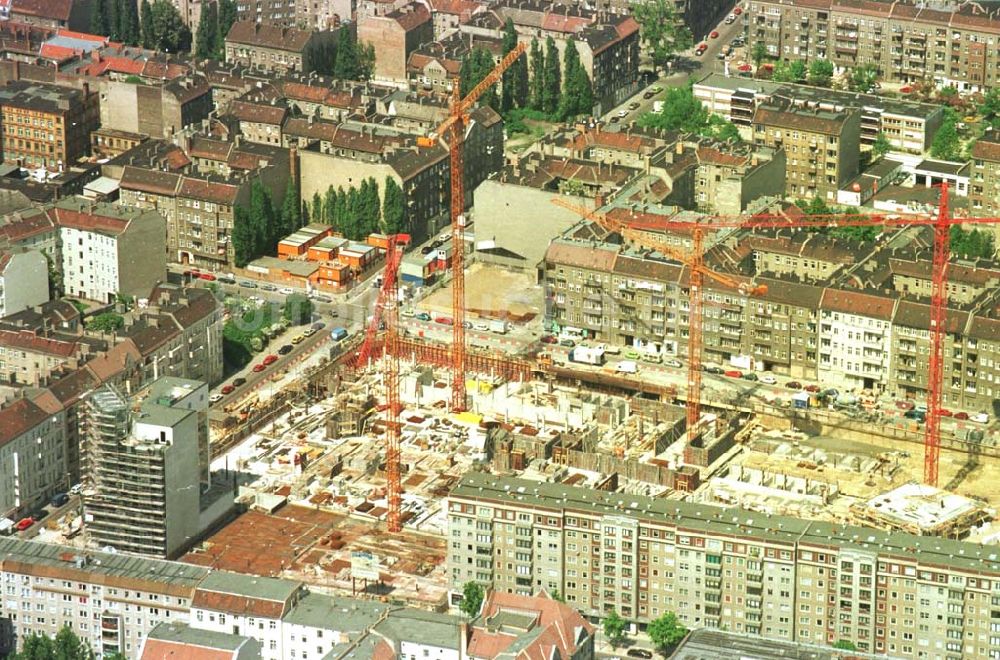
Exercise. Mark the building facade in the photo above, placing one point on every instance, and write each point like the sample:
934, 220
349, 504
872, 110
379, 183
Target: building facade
24, 280
46, 126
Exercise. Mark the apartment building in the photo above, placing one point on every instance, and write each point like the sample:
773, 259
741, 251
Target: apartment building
821, 144
109, 250
36, 357
765, 575
142, 490
271, 47
32, 456
158, 108
984, 186
952, 43
46, 126
394, 36
909, 126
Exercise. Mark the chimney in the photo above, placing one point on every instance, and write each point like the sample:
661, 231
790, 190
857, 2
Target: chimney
463, 639
293, 164
679, 148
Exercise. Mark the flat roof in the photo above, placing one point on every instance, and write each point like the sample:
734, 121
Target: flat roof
345, 614
298, 268
430, 628
920, 505
251, 586
943, 167
181, 633
707, 644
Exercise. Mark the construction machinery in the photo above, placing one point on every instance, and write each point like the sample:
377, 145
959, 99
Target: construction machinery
940, 225
386, 298
695, 261
454, 128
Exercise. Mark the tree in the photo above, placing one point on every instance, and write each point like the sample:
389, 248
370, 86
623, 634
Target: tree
820, 72
989, 108
317, 208
369, 213
681, 112
227, 16
551, 78
666, 632
146, 24
863, 77
537, 76
244, 249
758, 53
128, 22
571, 101
515, 83
946, 145
261, 219
206, 43
881, 146
558, 596
472, 598
845, 645
66, 646
366, 61
794, 71
393, 208
476, 65
298, 309
107, 322
346, 66
165, 29
614, 629
291, 209
661, 30
971, 243
99, 17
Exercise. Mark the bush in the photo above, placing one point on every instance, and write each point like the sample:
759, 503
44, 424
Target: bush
107, 322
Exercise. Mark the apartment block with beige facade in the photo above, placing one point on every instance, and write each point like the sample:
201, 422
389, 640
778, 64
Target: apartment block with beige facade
771, 576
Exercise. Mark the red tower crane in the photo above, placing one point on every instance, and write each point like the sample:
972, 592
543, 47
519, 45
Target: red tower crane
454, 127
940, 224
695, 261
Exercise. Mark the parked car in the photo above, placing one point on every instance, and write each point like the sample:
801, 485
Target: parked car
733, 373
24, 523
75, 489
714, 34
268, 287
567, 342
676, 364
227, 389
751, 376
768, 379
631, 354
917, 415
247, 284
623, 113
981, 418
208, 277
656, 89
633, 105
712, 369
286, 349
423, 316
298, 339
257, 368
483, 326
648, 95
811, 388
269, 360
905, 405
615, 119
944, 412
215, 398
309, 332
443, 320
59, 499
730, 19
793, 385
239, 382
639, 653
318, 325
961, 416
286, 291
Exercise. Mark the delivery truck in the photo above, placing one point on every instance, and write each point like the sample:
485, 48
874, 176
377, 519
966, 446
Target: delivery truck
593, 355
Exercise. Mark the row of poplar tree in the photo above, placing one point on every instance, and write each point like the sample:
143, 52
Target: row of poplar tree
158, 26
560, 92
357, 212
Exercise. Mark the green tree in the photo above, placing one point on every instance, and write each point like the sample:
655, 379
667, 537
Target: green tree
370, 208
989, 108
845, 645
536, 101
145, 23
568, 100
262, 223
114, 8
614, 629
207, 41
971, 243
863, 77
298, 309
552, 78
366, 61
472, 598
558, 596
661, 30
108, 322
36, 647
316, 210
99, 17
165, 29
346, 65
66, 646
291, 209
794, 71
820, 72
515, 84
227, 16
881, 146
681, 112
666, 632
393, 208
758, 53
946, 145
128, 22
244, 248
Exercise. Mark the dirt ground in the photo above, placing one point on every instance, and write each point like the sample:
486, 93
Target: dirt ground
491, 291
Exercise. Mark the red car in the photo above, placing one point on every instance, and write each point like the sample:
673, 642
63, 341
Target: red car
443, 320
962, 416
227, 389
207, 276
714, 34
257, 368
24, 523
905, 405
811, 388
738, 10
734, 373
192, 273
269, 360
549, 339
945, 412
793, 385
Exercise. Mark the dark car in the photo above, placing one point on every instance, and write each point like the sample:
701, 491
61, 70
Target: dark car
59, 499
318, 325
960, 415
793, 385
549, 339
39, 514
749, 376
714, 370
285, 350
917, 415
268, 287
648, 95
568, 343
238, 382
639, 653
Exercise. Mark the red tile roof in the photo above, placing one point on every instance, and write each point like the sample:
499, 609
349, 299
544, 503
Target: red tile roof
55, 9
269, 36
22, 228
28, 341
161, 649
986, 149
564, 627
211, 191
87, 221
18, 418
717, 157
857, 303
237, 604
411, 16
258, 113
582, 255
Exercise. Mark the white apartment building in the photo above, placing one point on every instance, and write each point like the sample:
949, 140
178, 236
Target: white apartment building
32, 456
24, 280
855, 339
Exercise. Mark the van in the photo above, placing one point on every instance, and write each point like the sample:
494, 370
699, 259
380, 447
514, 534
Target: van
612, 349
627, 367
338, 334
652, 357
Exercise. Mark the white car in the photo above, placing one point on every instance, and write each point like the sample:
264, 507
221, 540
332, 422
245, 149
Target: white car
768, 379
623, 113
480, 326
286, 291
980, 418
215, 398
676, 364
407, 313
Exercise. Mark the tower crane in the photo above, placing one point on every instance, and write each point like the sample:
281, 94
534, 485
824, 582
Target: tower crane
695, 261
940, 225
454, 128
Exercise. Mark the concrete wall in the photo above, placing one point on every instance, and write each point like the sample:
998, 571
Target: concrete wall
24, 282
142, 255
521, 219
320, 171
